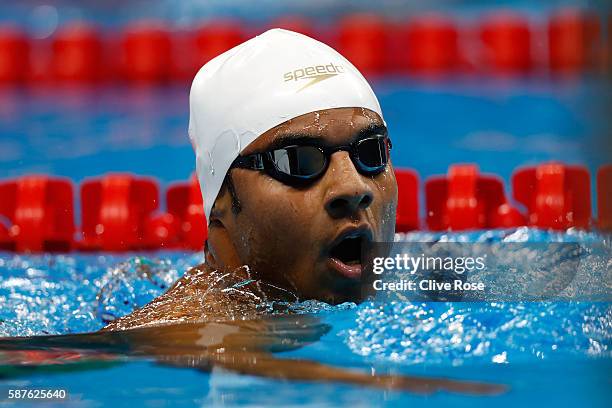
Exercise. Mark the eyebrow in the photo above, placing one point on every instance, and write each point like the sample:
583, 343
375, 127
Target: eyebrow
291, 138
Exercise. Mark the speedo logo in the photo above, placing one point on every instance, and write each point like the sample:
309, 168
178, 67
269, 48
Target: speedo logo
315, 73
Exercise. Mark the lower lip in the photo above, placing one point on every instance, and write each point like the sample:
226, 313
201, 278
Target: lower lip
349, 271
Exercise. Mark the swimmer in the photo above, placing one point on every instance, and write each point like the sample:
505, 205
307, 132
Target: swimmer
293, 159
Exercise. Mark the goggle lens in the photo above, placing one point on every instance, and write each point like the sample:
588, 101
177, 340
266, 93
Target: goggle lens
305, 163
300, 161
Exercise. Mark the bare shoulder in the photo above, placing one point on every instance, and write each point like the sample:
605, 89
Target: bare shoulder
202, 294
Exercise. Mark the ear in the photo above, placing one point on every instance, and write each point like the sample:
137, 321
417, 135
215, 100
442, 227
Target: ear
220, 208
220, 251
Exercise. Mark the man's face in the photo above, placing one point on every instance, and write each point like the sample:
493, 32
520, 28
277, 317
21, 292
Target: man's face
309, 239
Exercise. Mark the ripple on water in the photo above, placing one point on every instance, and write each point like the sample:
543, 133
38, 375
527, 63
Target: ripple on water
53, 294
499, 332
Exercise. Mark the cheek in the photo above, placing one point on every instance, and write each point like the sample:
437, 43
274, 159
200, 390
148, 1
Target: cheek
275, 208
275, 224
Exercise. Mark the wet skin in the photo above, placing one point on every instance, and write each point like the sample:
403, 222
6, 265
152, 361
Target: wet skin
284, 233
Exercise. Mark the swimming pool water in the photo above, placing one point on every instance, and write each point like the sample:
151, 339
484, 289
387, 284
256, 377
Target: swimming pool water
549, 354
546, 352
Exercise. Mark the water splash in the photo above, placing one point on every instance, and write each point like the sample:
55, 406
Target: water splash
455, 333
54, 294
131, 285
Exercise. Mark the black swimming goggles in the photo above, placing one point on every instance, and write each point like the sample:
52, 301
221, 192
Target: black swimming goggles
301, 164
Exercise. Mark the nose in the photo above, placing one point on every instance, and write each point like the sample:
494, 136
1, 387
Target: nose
347, 191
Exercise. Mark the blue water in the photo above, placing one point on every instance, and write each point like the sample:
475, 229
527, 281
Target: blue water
550, 354
546, 352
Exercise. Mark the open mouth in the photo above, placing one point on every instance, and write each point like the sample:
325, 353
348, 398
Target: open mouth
348, 250
346, 255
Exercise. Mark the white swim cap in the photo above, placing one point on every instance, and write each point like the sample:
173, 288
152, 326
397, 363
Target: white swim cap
258, 85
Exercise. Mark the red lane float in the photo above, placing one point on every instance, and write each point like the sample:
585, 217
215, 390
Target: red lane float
162, 231
77, 54
40, 214
14, 55
114, 211
146, 53
427, 44
465, 199
506, 40
430, 45
573, 41
4, 236
8, 202
183, 64
556, 196
363, 41
215, 38
604, 198
407, 214
118, 210
192, 49
184, 201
